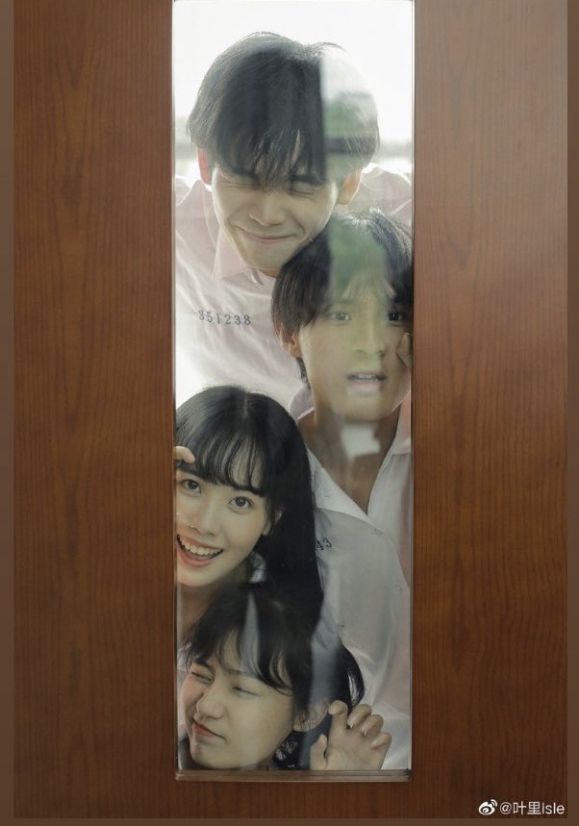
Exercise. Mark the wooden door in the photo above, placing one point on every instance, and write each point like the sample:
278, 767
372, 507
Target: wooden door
93, 419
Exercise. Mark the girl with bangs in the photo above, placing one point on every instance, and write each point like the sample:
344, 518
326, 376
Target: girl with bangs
261, 691
243, 501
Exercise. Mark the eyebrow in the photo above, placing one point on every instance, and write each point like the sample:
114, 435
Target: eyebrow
347, 301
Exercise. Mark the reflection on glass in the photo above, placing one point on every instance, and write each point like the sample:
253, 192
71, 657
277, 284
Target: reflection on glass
293, 278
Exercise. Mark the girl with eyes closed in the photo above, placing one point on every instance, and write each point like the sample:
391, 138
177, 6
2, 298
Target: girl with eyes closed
243, 501
261, 691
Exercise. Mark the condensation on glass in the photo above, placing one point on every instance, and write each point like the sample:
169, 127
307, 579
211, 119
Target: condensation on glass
293, 363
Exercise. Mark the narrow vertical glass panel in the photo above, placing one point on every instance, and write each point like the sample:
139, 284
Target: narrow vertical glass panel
293, 456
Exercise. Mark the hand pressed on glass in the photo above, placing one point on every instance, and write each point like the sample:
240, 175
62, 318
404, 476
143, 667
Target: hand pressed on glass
355, 741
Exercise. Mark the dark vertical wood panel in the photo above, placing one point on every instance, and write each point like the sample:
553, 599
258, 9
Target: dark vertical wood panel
489, 678
93, 404
93, 418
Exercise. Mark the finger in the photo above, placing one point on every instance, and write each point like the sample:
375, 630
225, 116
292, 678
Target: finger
339, 713
317, 753
338, 707
378, 751
359, 714
404, 349
183, 454
372, 725
381, 742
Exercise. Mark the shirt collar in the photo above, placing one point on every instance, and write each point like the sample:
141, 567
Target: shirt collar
328, 494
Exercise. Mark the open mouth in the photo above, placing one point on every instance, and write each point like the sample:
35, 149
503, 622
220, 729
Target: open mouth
366, 383
197, 553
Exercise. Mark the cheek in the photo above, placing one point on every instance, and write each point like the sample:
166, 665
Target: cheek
406, 380
247, 535
400, 375
398, 331
180, 500
268, 725
324, 351
317, 216
225, 201
185, 507
393, 339
190, 693
280, 723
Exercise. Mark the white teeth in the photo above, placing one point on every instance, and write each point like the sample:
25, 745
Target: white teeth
196, 550
366, 377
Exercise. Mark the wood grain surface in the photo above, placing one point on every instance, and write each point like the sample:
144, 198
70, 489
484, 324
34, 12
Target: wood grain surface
93, 411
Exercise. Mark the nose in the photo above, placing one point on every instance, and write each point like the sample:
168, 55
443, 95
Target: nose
210, 704
369, 336
267, 208
201, 515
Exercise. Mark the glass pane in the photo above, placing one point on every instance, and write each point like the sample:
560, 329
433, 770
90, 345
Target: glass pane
293, 349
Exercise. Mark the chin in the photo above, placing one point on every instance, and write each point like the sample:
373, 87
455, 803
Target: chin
363, 409
269, 262
215, 765
190, 580
260, 264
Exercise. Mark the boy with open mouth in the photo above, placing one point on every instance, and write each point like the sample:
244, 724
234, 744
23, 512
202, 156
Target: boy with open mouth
343, 308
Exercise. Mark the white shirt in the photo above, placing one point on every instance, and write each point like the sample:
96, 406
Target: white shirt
365, 591
223, 328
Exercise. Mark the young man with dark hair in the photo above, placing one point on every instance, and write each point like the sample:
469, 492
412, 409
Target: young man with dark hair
343, 308
283, 131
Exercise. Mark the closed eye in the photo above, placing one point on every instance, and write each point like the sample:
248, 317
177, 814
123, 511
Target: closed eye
202, 676
303, 190
240, 690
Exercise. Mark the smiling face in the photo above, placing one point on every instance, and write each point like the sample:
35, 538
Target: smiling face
350, 356
217, 527
268, 226
233, 719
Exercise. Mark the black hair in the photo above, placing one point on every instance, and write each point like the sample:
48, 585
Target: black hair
351, 252
278, 643
248, 441
261, 112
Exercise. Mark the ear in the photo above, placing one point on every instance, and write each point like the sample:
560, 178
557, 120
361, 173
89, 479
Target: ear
350, 186
290, 343
312, 718
204, 166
